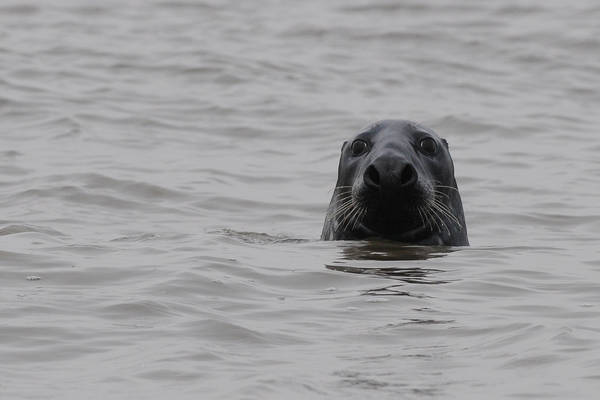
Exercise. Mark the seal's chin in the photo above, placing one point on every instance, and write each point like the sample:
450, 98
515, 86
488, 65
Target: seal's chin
396, 216
410, 235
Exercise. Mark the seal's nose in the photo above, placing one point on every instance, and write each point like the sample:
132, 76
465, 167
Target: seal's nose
371, 177
390, 174
408, 176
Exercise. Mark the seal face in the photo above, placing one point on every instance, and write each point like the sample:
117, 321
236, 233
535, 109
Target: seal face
396, 181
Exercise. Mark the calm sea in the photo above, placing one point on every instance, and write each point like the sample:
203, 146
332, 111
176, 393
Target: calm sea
165, 167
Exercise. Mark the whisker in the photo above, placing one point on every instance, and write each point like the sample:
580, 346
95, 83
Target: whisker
446, 187
444, 209
359, 217
423, 220
346, 219
352, 215
342, 210
340, 189
437, 192
346, 213
436, 210
430, 213
342, 200
354, 218
436, 217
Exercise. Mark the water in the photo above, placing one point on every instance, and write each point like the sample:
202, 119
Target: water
165, 168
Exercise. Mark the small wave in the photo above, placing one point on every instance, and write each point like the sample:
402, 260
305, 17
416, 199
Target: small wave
471, 127
240, 177
19, 10
98, 187
10, 170
90, 10
141, 237
142, 190
136, 310
187, 5
11, 154
257, 237
22, 228
387, 7
515, 10
76, 195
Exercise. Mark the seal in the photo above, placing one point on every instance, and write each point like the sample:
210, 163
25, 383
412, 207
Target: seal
396, 181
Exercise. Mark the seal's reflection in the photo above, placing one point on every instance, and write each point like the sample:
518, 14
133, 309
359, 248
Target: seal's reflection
390, 250
378, 251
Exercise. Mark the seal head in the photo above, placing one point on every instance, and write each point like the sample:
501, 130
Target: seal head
396, 181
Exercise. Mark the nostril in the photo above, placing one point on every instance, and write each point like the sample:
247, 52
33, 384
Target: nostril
373, 174
371, 177
408, 175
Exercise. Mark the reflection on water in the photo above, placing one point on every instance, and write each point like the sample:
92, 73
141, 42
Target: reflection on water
392, 290
383, 250
397, 254
404, 274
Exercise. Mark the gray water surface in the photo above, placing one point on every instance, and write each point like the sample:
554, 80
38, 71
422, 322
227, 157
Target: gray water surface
165, 167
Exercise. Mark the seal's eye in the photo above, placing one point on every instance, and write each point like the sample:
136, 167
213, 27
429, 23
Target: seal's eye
428, 146
359, 147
